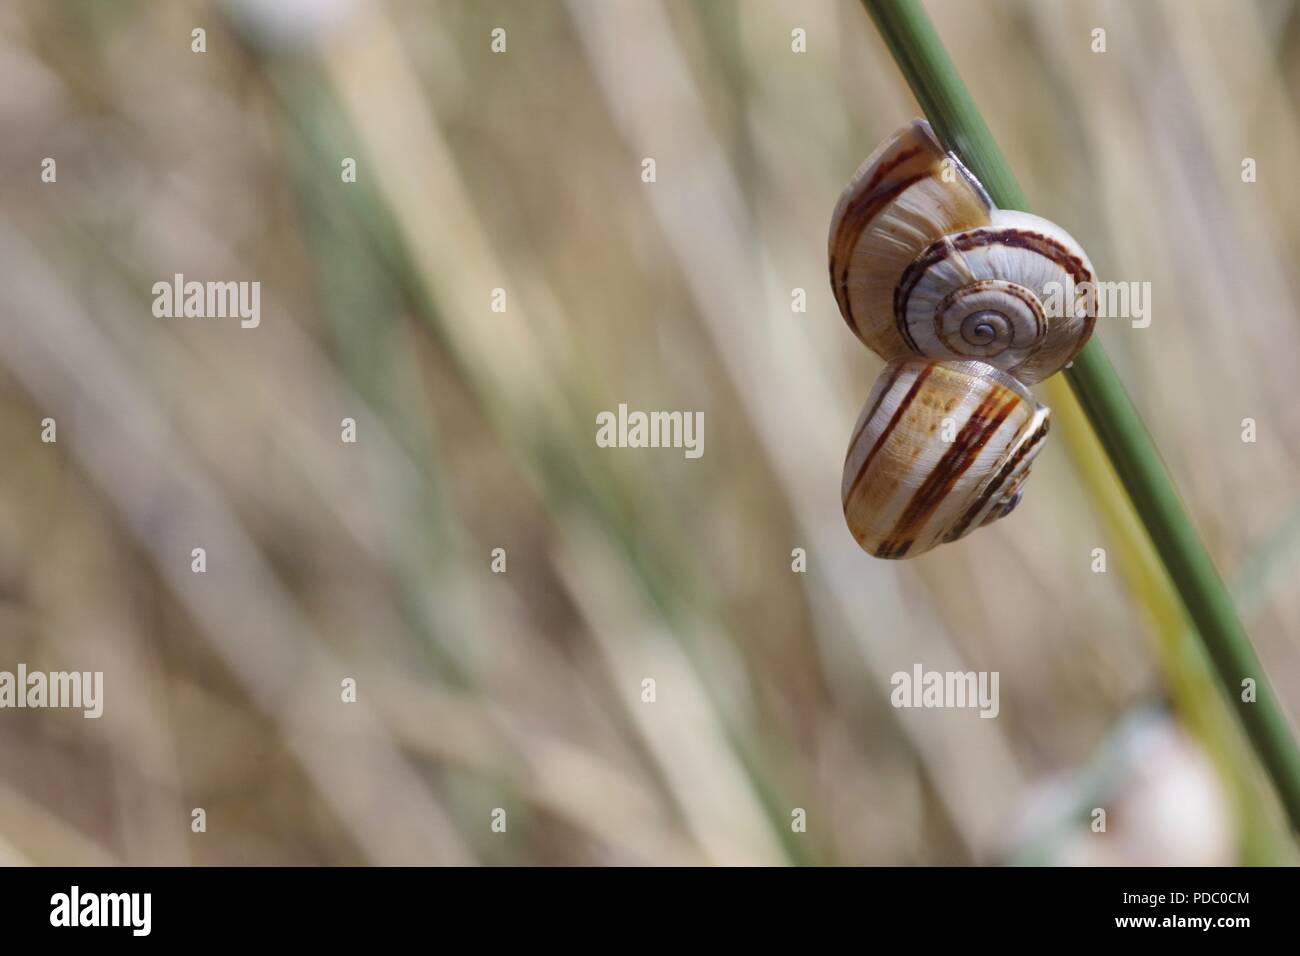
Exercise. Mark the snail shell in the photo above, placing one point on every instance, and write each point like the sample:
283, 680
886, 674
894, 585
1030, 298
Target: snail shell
923, 263
906, 488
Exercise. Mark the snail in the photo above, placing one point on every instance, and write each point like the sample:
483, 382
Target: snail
968, 304
905, 487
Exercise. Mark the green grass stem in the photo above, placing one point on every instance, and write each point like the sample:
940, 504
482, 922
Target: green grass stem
943, 96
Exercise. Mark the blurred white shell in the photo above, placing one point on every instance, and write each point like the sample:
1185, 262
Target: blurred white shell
1165, 805
939, 449
290, 24
922, 263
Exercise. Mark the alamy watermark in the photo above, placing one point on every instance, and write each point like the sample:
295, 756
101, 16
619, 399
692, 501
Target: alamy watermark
1102, 300
635, 429
83, 690
946, 689
75, 908
208, 300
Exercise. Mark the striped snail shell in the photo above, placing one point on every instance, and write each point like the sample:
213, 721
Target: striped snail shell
968, 304
939, 449
923, 263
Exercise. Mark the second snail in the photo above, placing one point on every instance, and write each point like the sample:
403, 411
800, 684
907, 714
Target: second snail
964, 302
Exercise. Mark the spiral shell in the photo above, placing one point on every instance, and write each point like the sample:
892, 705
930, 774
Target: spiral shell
939, 449
923, 263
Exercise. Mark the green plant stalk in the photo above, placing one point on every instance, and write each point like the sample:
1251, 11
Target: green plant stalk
957, 122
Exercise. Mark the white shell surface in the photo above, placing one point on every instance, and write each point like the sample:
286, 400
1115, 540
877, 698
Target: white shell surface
907, 194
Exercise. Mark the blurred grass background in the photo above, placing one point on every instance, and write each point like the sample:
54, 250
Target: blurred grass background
522, 690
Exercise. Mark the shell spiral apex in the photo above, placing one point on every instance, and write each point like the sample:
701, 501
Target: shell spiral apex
968, 304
